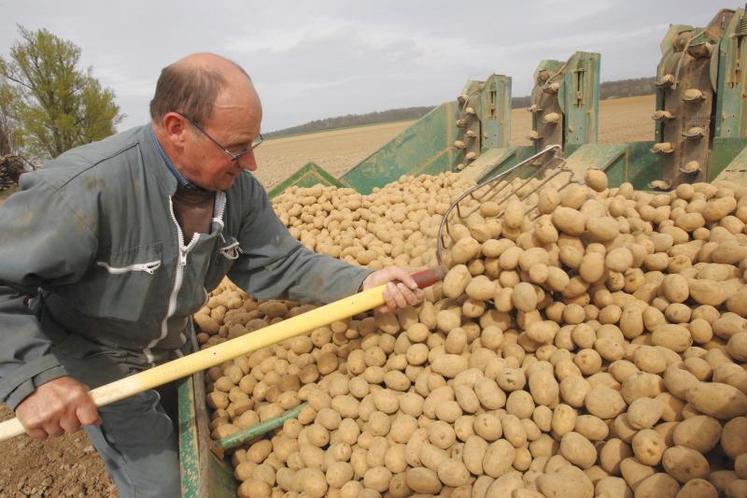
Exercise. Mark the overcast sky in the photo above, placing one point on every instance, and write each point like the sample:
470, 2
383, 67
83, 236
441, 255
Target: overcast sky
316, 59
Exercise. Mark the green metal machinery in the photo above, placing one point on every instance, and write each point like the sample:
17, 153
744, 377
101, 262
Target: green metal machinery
701, 134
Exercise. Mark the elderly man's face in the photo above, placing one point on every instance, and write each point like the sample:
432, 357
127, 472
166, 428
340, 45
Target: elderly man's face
235, 124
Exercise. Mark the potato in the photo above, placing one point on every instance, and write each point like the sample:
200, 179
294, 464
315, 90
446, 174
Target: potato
602, 228
311, 482
734, 437
648, 447
377, 478
569, 221
456, 281
635, 472
604, 402
524, 297
708, 292
619, 259
674, 337
422, 480
698, 488
498, 458
578, 450
338, 474
592, 267
464, 250
612, 487
449, 365
700, 433
566, 482
480, 288
643, 413
453, 473
612, 454
659, 485
718, 400
685, 464
597, 180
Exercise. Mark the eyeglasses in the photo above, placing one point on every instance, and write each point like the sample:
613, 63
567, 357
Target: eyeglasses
233, 156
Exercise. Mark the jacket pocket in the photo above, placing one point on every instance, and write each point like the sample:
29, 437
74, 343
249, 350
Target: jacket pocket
227, 251
129, 285
150, 267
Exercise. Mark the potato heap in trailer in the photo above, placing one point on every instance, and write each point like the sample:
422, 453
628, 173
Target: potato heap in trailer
595, 349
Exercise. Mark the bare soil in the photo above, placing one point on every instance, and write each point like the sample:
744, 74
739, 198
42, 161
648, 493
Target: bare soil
67, 466
620, 120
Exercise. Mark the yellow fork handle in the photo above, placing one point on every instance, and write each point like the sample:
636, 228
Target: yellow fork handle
228, 350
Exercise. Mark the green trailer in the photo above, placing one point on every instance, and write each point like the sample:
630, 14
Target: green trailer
471, 135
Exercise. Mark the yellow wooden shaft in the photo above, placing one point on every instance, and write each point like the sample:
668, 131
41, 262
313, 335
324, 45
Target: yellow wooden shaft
220, 353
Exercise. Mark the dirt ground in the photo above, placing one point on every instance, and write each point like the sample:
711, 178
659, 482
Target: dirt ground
69, 466
620, 120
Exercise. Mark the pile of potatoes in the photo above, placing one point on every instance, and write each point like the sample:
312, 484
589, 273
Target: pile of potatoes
395, 225
593, 347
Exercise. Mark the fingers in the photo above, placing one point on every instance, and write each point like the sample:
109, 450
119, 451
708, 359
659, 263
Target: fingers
403, 276
53, 429
389, 296
88, 414
58, 406
39, 434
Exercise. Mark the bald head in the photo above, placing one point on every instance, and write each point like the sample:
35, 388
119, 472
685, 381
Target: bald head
195, 84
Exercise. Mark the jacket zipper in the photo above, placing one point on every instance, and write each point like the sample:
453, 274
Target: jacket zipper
220, 202
178, 281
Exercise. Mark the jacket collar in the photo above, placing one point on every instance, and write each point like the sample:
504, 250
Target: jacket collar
153, 162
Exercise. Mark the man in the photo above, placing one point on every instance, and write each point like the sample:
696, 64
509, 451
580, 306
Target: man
107, 251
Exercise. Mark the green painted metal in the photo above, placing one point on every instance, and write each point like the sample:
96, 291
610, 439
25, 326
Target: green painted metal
308, 176
188, 441
579, 98
481, 169
725, 151
642, 167
496, 161
565, 101
731, 118
736, 170
594, 156
424, 147
257, 430
203, 473
495, 115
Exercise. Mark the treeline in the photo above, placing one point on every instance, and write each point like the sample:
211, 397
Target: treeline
403, 114
608, 90
627, 88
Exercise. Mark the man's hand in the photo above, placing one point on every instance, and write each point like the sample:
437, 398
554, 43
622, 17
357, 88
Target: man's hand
401, 290
56, 407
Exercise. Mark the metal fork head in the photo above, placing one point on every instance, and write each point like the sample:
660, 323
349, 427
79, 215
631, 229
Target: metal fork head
521, 181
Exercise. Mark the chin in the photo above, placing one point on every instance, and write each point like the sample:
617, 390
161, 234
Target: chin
226, 184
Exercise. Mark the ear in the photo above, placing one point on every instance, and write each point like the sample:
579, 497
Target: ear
175, 127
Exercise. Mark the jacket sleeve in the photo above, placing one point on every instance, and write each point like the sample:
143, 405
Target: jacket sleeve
273, 264
44, 242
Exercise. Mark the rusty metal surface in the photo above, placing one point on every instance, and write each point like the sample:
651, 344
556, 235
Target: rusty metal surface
686, 100
547, 80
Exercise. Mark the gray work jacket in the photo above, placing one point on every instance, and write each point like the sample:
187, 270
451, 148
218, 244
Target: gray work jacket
90, 246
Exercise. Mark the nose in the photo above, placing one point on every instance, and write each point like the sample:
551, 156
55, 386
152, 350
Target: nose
248, 161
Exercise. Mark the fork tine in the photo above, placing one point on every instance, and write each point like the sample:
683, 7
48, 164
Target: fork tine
507, 184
